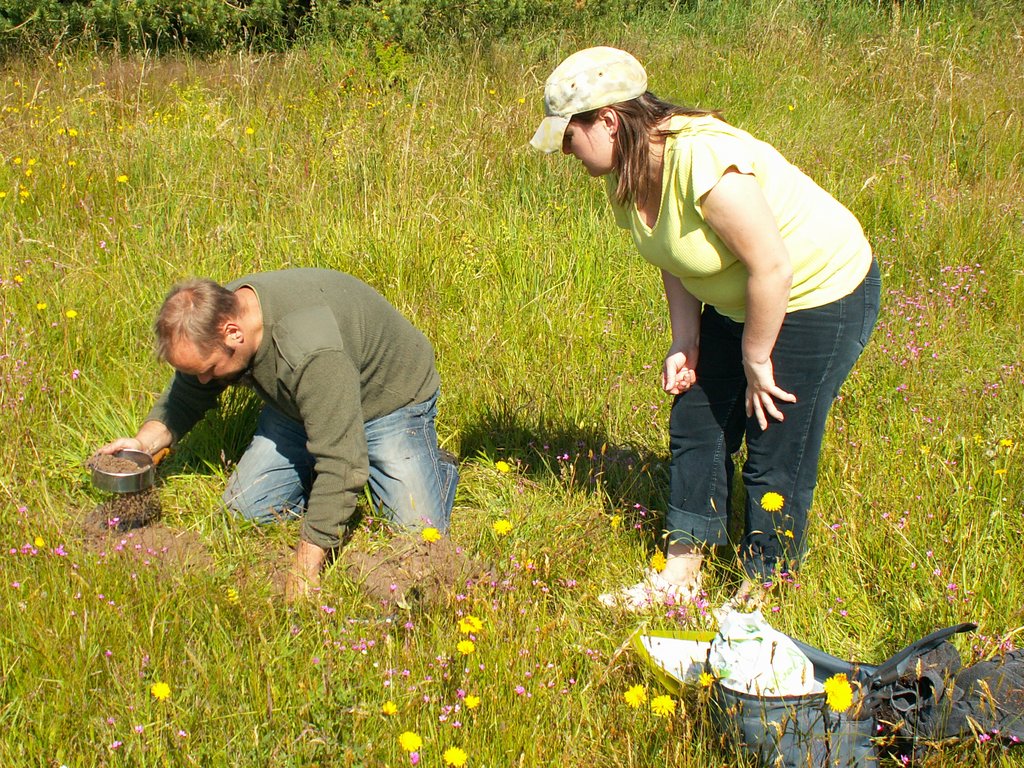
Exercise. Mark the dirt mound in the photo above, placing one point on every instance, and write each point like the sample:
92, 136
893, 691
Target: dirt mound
408, 571
143, 540
124, 512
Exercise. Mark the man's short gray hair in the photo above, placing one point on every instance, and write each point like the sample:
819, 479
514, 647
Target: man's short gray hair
194, 311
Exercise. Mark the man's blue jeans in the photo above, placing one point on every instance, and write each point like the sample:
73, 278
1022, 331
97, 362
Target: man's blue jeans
410, 479
815, 351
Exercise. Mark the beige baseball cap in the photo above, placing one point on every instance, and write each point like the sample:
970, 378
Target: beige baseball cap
589, 79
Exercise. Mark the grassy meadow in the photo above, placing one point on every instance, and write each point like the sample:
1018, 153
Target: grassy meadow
120, 175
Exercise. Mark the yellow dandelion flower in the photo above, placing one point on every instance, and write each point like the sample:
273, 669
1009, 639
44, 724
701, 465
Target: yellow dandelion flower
410, 742
502, 527
17, 278
663, 706
250, 131
17, 161
122, 179
39, 542
772, 501
160, 691
455, 757
616, 522
1001, 471
28, 171
466, 647
469, 624
71, 314
838, 693
788, 534
41, 305
389, 708
635, 696
72, 163
232, 595
658, 561
706, 680
72, 132
522, 100
925, 450
1006, 442
430, 535
503, 466
471, 701
2, 194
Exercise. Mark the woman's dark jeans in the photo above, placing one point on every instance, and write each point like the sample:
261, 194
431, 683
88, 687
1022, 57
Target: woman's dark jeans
814, 353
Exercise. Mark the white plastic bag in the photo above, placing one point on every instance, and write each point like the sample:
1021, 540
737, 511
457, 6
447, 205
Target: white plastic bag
750, 656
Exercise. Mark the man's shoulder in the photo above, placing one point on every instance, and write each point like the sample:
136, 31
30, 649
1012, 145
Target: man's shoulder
299, 276
306, 331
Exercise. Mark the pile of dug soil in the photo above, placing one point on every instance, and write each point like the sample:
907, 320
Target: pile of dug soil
409, 571
157, 545
124, 512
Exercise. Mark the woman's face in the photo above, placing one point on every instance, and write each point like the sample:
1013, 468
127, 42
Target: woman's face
592, 144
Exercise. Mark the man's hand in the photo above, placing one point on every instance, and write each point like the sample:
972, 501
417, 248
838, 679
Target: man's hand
151, 438
121, 444
304, 577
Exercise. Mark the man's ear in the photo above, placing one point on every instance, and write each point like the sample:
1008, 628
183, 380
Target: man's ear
233, 334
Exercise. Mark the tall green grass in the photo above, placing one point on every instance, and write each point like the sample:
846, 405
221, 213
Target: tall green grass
549, 332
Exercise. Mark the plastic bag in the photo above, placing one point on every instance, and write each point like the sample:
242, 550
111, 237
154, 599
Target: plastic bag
748, 655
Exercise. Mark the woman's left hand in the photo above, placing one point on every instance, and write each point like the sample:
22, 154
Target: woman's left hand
762, 392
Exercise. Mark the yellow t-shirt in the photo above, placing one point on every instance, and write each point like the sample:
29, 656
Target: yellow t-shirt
826, 245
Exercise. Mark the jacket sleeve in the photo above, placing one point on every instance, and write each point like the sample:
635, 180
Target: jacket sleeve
327, 394
183, 403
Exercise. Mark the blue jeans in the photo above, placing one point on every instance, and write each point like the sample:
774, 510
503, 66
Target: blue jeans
410, 478
814, 353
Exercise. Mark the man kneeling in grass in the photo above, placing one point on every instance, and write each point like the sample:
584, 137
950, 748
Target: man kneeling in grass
350, 391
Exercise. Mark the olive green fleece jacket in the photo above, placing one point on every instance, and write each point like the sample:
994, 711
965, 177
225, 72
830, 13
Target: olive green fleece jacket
334, 355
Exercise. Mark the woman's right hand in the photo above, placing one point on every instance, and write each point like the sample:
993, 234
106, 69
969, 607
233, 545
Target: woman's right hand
679, 371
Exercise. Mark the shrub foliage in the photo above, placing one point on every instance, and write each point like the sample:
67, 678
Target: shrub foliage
203, 26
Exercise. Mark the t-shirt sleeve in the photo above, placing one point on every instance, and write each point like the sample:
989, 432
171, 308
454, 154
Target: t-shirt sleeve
711, 156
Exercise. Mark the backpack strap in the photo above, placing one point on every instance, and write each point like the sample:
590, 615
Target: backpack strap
890, 670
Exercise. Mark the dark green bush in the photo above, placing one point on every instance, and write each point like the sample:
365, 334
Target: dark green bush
196, 25
208, 25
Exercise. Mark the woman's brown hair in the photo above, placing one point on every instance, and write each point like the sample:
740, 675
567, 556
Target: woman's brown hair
638, 121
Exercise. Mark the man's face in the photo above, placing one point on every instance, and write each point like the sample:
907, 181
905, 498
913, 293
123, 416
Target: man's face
224, 364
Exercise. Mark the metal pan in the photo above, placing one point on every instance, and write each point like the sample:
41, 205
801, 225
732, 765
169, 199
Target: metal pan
138, 479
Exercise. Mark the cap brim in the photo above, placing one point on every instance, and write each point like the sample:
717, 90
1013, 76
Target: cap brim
548, 137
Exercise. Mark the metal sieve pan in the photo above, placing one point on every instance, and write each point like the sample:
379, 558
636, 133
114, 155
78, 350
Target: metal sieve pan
131, 481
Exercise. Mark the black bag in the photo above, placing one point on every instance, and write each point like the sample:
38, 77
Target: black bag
803, 732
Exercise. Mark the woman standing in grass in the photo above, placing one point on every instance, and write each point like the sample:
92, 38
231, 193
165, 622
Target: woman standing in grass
772, 294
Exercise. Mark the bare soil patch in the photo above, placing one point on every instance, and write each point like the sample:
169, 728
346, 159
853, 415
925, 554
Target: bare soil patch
155, 545
408, 571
